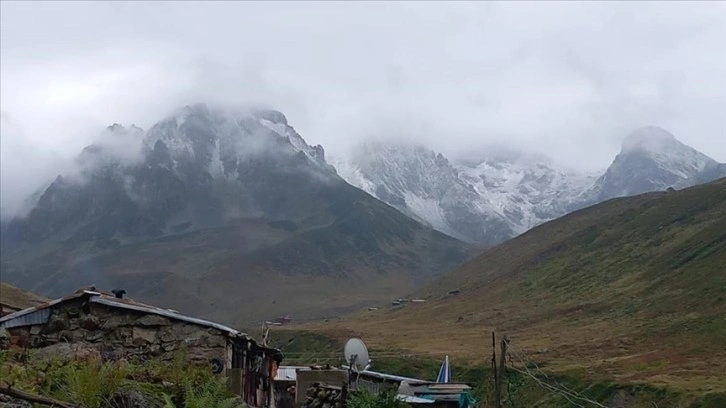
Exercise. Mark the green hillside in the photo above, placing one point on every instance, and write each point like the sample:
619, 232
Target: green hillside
632, 290
15, 298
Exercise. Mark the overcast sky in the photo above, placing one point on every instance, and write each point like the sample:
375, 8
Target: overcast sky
566, 79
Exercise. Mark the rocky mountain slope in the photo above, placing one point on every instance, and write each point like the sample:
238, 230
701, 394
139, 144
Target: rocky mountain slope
651, 159
633, 288
231, 214
490, 199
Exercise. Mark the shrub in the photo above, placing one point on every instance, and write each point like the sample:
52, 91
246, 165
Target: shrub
210, 393
385, 399
91, 383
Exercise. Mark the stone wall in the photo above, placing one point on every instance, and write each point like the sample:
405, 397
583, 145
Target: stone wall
113, 333
324, 396
307, 378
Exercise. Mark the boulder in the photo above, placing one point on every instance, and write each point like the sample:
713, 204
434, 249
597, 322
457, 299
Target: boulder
67, 351
204, 339
112, 323
168, 336
56, 323
143, 336
152, 320
155, 350
94, 335
73, 312
214, 341
89, 322
135, 399
123, 335
168, 347
75, 336
4, 339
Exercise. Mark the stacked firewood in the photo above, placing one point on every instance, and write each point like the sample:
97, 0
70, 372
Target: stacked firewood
324, 396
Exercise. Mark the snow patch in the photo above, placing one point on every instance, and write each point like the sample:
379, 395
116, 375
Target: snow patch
215, 166
352, 174
428, 210
279, 128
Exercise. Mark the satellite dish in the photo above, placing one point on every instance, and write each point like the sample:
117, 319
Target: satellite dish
356, 355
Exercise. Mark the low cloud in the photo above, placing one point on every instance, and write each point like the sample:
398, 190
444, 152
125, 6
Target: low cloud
569, 80
26, 168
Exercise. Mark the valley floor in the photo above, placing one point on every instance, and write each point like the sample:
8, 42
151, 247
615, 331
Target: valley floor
580, 370
625, 351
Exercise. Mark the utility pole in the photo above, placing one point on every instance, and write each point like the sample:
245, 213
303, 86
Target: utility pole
499, 373
494, 366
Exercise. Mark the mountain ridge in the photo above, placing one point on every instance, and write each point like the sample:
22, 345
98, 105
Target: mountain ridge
216, 202
490, 199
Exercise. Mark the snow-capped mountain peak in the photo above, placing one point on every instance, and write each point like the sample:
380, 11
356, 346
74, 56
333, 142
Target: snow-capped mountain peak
651, 159
481, 200
650, 139
670, 154
220, 138
492, 195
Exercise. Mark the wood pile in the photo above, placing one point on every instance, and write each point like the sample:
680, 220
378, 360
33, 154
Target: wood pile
324, 396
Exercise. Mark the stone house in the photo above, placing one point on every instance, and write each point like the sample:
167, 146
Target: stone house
111, 326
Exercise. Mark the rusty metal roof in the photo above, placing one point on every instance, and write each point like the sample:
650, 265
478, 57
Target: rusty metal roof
39, 314
13, 316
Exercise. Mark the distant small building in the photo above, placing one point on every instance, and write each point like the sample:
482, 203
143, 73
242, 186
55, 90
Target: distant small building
285, 386
281, 321
109, 326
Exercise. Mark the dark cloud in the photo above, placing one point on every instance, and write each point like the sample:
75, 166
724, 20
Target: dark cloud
567, 79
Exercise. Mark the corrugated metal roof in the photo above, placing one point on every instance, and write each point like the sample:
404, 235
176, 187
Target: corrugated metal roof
29, 319
4, 321
390, 377
139, 307
288, 373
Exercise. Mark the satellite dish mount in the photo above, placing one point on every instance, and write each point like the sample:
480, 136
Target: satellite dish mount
356, 356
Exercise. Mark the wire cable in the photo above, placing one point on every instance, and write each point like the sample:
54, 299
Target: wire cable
564, 391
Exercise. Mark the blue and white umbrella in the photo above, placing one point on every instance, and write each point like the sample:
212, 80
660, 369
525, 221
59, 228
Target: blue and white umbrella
444, 372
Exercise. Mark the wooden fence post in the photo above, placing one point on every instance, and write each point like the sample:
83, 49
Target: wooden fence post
500, 372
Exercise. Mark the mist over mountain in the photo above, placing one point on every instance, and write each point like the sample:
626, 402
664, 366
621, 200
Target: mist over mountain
212, 201
652, 159
487, 198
